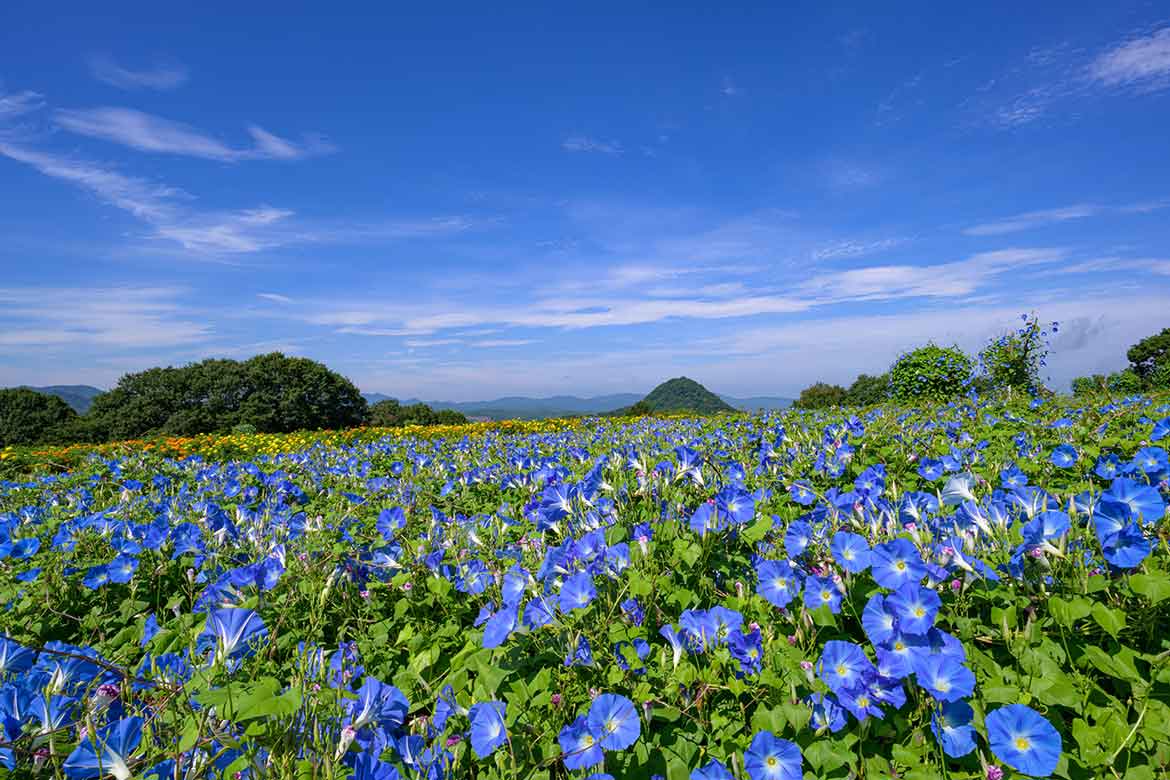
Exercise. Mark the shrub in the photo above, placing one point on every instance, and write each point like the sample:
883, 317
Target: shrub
930, 373
1014, 359
867, 390
820, 396
29, 417
1089, 385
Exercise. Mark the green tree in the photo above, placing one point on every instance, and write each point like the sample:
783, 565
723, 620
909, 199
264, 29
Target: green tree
1126, 382
820, 396
29, 417
867, 390
1089, 385
1146, 356
386, 414
291, 394
930, 373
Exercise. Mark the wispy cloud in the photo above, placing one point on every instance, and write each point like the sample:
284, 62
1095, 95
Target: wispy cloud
159, 76
16, 104
581, 143
853, 248
149, 133
116, 318
729, 88
1142, 62
1035, 219
274, 297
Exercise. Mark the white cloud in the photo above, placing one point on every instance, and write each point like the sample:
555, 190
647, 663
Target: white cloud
580, 143
1035, 219
112, 318
493, 343
274, 297
161, 77
18, 103
149, 133
1142, 62
854, 248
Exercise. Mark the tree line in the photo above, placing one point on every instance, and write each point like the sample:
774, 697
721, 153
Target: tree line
270, 393
1010, 362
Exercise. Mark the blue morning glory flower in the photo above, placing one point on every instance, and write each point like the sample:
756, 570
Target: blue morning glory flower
1127, 548
122, 568
915, 607
713, 770
377, 704
878, 619
930, 469
117, 741
500, 626
822, 591
779, 582
577, 592
487, 727
771, 758
614, 722
951, 724
944, 678
234, 631
1161, 430
1064, 456
96, 577
826, 713
579, 748
391, 521
850, 551
1024, 740
538, 613
843, 665
797, 538
895, 563
14, 658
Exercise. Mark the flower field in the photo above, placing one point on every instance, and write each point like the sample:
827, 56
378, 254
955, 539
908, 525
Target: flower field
976, 590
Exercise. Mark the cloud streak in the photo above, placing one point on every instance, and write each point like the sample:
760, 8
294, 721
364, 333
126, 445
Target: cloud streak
1035, 219
1142, 63
154, 134
159, 77
581, 143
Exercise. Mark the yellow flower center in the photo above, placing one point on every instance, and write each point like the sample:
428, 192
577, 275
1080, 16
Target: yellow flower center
1023, 744
841, 670
919, 612
900, 565
771, 761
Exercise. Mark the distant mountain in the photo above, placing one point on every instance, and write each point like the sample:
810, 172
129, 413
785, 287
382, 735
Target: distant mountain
78, 396
522, 407
527, 408
757, 403
682, 394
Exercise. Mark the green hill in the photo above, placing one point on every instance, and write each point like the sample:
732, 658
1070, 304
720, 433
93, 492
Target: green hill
679, 395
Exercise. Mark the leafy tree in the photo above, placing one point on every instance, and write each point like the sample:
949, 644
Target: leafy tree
1126, 382
1014, 359
386, 414
867, 390
685, 394
820, 396
930, 373
1089, 385
1149, 354
390, 414
29, 417
272, 393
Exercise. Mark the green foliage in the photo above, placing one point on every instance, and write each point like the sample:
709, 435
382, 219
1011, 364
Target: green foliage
1126, 382
29, 417
1084, 386
1013, 360
684, 395
820, 396
390, 414
1150, 354
867, 390
271, 393
931, 373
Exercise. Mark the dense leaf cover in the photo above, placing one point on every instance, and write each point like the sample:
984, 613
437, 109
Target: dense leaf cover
972, 591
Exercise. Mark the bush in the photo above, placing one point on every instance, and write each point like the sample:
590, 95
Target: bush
930, 373
867, 390
1013, 361
29, 417
391, 414
820, 396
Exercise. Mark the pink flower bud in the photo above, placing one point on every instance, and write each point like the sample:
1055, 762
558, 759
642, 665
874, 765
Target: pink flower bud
994, 773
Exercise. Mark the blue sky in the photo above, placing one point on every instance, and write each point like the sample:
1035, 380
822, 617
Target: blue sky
464, 201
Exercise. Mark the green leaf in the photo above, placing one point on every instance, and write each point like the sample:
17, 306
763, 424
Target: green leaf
1155, 586
1068, 612
1112, 620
